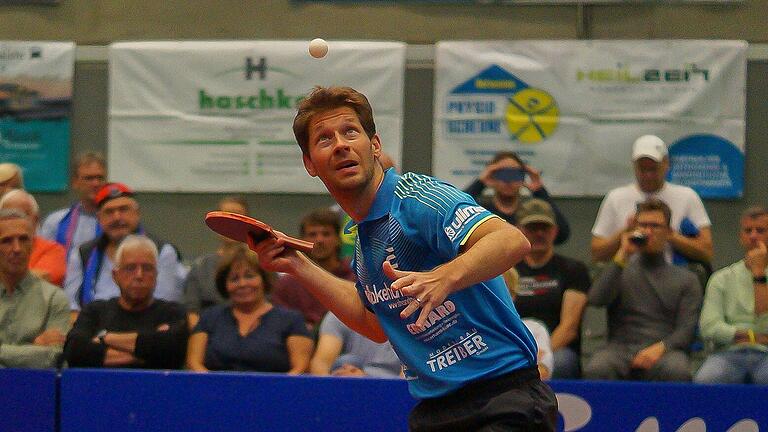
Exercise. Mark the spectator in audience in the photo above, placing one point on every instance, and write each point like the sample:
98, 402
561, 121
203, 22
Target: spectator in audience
34, 315
733, 318
505, 175
544, 358
134, 330
322, 228
249, 333
552, 288
343, 352
89, 268
10, 177
200, 286
77, 224
48, 259
653, 306
691, 236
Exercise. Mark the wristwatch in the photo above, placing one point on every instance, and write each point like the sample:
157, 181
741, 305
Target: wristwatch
101, 335
760, 279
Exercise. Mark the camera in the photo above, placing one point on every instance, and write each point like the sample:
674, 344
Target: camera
638, 238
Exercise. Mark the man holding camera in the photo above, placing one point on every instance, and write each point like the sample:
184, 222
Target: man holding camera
691, 235
653, 306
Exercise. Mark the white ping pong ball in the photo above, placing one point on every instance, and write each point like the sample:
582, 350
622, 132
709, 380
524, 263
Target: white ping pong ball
318, 48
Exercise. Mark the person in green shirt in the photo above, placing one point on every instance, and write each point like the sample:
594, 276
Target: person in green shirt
734, 318
34, 315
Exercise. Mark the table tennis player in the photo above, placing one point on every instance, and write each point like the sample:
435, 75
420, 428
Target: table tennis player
427, 262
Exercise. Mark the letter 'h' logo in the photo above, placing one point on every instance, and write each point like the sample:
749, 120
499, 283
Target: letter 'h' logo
250, 68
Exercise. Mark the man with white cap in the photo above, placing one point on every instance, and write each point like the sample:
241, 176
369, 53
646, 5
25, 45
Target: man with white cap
691, 237
10, 177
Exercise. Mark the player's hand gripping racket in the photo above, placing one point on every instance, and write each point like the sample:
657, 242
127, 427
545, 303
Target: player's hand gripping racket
239, 227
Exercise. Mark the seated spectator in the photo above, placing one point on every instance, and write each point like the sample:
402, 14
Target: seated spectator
691, 235
134, 330
200, 286
653, 306
544, 358
10, 177
733, 318
34, 315
77, 224
89, 268
505, 174
48, 259
552, 288
343, 352
322, 228
249, 334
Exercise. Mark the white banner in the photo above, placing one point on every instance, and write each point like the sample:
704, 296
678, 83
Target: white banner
218, 116
573, 109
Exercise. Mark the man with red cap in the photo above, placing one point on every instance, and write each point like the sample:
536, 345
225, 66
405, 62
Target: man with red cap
89, 269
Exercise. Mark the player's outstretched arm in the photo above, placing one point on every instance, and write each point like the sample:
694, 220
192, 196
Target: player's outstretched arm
493, 248
338, 295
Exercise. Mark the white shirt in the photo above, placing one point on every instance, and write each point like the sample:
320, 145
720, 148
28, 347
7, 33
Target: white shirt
621, 202
541, 335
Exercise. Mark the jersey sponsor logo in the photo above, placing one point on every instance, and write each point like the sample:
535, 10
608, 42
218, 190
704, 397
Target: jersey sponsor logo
437, 315
383, 293
469, 345
460, 218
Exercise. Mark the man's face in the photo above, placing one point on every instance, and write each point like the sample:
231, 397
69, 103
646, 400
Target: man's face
339, 151
656, 228
326, 241
136, 275
753, 231
119, 217
88, 180
15, 246
12, 183
650, 174
541, 235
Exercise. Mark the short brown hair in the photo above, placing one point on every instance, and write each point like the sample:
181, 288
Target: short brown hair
327, 98
234, 256
754, 212
322, 217
237, 199
507, 155
86, 159
652, 205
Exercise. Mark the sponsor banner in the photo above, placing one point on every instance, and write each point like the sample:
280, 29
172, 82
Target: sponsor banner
35, 106
573, 109
218, 116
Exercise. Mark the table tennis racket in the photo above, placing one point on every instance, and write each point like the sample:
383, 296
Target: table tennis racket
238, 227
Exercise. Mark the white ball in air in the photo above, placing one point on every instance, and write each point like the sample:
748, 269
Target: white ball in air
318, 48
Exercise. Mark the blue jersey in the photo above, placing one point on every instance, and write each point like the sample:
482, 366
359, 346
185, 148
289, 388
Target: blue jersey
417, 223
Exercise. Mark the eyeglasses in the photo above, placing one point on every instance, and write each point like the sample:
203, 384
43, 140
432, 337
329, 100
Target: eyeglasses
133, 268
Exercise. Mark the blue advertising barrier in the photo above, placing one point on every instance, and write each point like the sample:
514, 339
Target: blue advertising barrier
27, 400
95, 400
116, 400
651, 407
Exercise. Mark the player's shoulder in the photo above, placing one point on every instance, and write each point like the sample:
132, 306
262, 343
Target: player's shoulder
418, 191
